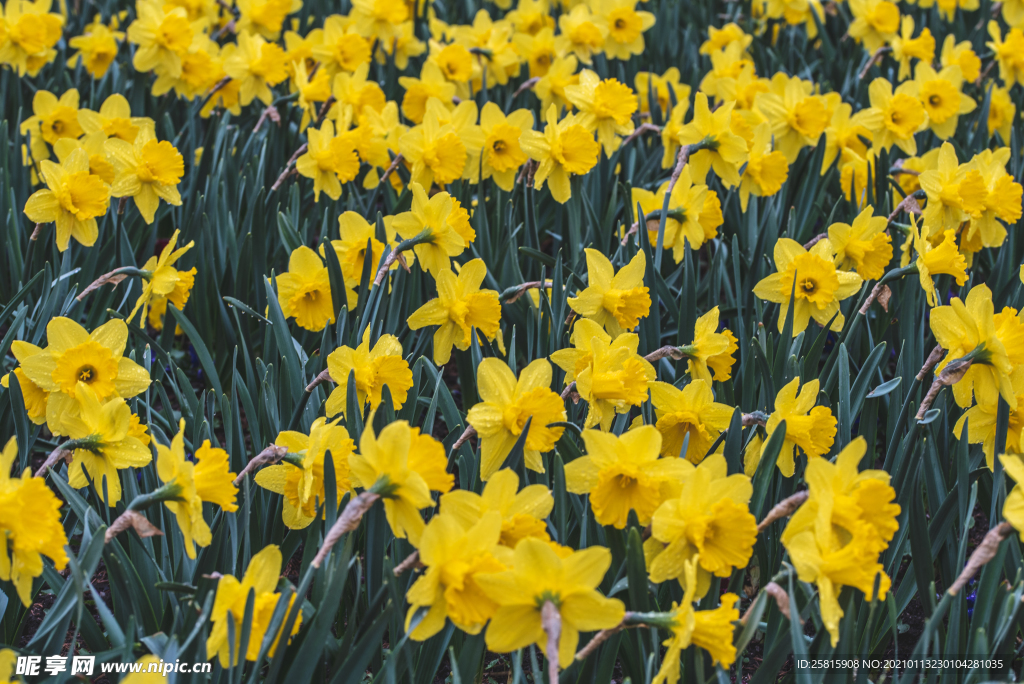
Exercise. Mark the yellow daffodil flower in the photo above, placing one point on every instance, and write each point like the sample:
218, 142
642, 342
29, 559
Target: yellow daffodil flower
72, 201
809, 427
506, 405
875, 22
723, 150
626, 27
431, 83
76, 356
454, 557
766, 169
605, 106
905, 47
460, 307
864, 246
30, 526
565, 148
1013, 508
932, 260
301, 481
615, 378
688, 412
981, 421
147, 170
797, 117
539, 575
304, 291
502, 155
902, 114
444, 242
616, 301
206, 479
30, 33
818, 289
165, 281
623, 474
522, 511
708, 521
33, 396
261, 578
941, 97
581, 33
375, 369
163, 37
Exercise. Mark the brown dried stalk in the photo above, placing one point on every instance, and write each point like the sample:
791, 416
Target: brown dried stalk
55, 455
930, 363
665, 352
325, 376
213, 91
288, 167
682, 157
527, 85
640, 130
551, 620
815, 240
114, 277
781, 600
949, 375
133, 519
347, 521
783, 509
875, 58
36, 232
908, 204
466, 435
599, 639
411, 561
269, 456
754, 418
269, 112
985, 552
392, 167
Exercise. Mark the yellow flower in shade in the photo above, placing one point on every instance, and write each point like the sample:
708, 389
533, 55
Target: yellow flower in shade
537, 50
72, 201
708, 520
1002, 112
690, 211
981, 428
961, 54
206, 479
710, 351
328, 160
875, 22
834, 538
431, 83
311, 91
382, 366
906, 48
454, 557
813, 282
728, 66
102, 444
864, 246
581, 33
662, 89
690, 412
147, 170
616, 301
301, 481
261, 578
30, 32
797, 116
721, 38
404, 46
623, 474
76, 356
431, 214
357, 90
400, 464
941, 97
163, 37
357, 236
711, 630
901, 112
766, 169
460, 307
264, 17
304, 291
53, 118
257, 65
501, 153
945, 207
442, 149
32, 395
522, 511
1013, 508
494, 38
539, 575
551, 86
164, 280
932, 260
343, 48
531, 16
606, 106
379, 18
114, 119
626, 27
565, 148
30, 526
848, 135
573, 360
506, 404
614, 378
724, 151
810, 427
990, 195
963, 327
454, 60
